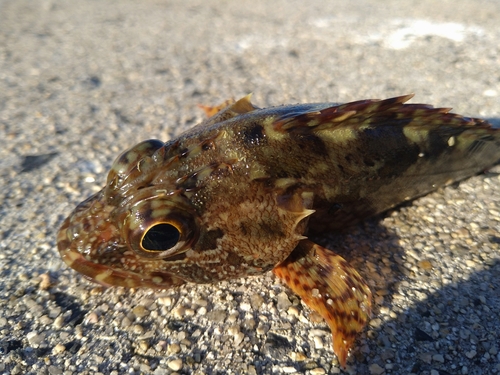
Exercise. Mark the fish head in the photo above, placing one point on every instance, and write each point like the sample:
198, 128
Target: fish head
166, 217
115, 236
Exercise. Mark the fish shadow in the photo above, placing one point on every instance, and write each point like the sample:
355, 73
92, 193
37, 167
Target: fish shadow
426, 316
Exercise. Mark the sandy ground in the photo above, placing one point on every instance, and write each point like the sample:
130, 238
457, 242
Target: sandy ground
82, 81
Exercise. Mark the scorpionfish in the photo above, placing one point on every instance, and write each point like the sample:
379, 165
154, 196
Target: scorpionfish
238, 194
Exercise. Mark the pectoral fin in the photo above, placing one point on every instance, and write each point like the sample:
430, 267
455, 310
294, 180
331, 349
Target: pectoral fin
332, 288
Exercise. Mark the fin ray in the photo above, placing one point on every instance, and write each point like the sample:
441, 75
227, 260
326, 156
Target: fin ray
331, 287
234, 107
375, 113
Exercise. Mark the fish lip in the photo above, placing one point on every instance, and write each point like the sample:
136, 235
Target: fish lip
109, 276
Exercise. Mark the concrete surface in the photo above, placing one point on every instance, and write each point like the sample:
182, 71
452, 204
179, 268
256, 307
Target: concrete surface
82, 81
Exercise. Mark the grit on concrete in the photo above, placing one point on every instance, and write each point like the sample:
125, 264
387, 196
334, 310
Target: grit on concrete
82, 81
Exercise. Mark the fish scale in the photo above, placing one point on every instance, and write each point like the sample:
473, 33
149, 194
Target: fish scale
238, 194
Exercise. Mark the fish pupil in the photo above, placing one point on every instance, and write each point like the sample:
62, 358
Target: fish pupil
160, 237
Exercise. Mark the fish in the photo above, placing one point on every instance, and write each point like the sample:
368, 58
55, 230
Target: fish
242, 193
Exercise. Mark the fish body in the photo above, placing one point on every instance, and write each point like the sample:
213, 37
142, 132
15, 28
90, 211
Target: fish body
238, 194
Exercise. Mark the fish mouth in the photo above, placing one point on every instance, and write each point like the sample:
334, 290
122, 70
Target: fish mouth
109, 276
89, 243
81, 236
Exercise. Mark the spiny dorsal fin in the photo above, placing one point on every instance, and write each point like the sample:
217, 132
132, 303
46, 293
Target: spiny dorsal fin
212, 110
338, 115
387, 112
235, 107
243, 105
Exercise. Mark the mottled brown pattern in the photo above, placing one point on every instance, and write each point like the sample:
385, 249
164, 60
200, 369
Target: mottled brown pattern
236, 195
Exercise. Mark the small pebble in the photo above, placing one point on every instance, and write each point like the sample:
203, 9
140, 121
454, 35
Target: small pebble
233, 330
256, 301
375, 369
470, 263
189, 312
297, 356
318, 342
283, 302
140, 311
92, 318
304, 319
384, 310
54, 370
96, 291
293, 311
464, 333
179, 312
262, 329
44, 281
470, 354
173, 349
249, 324
317, 371
245, 306
161, 346
425, 265
387, 354
34, 338
137, 329
201, 302
175, 364
59, 348
165, 301
426, 357
45, 320
217, 316
438, 358
238, 338
232, 317
202, 311
125, 323
144, 345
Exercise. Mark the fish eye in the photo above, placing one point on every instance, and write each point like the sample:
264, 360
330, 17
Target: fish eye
161, 237
159, 228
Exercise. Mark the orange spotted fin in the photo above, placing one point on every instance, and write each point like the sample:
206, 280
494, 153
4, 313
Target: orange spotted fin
331, 287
